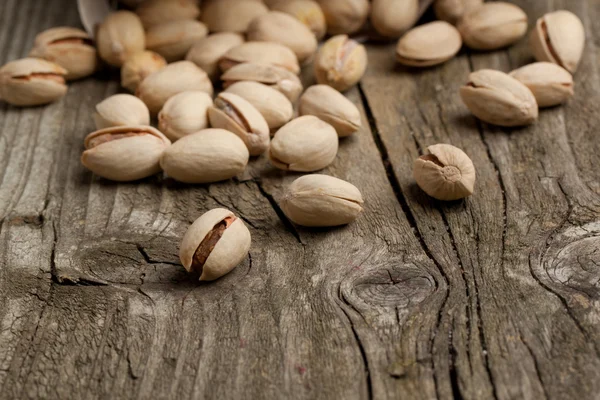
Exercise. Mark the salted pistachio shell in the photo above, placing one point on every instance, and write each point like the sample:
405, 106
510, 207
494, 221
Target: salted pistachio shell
156, 12
231, 15
344, 16
139, 66
121, 110
309, 12
559, 37
32, 82
207, 51
452, 10
340, 63
331, 106
235, 114
120, 36
215, 244
499, 99
260, 53
124, 153
391, 18
184, 114
493, 25
320, 200
173, 40
175, 78
276, 77
428, 44
304, 144
551, 84
210, 155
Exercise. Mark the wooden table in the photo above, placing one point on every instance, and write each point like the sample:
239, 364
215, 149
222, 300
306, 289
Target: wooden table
494, 297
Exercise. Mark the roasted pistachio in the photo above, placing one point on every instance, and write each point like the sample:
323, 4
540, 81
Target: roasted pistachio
173, 40
340, 63
276, 77
309, 12
32, 82
344, 16
155, 12
551, 84
184, 114
120, 36
138, 67
261, 53
428, 44
207, 52
391, 18
231, 15
452, 10
121, 110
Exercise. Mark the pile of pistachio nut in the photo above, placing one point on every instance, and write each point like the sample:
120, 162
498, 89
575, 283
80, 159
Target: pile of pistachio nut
171, 52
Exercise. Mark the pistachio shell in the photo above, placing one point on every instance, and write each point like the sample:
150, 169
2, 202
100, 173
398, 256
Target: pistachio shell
173, 40
309, 12
184, 114
120, 36
340, 63
261, 53
391, 18
452, 10
155, 12
138, 67
206, 52
428, 44
121, 110
32, 82
231, 15
551, 84
344, 16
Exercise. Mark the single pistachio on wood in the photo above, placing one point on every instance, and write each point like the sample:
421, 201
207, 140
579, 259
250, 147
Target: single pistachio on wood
452, 10
119, 36
428, 44
260, 53
32, 82
558, 37
207, 52
273, 76
231, 15
121, 110
173, 40
493, 25
499, 99
207, 156
344, 16
124, 153
331, 106
391, 18
304, 144
340, 63
184, 114
138, 67
309, 12
215, 244
551, 84
175, 78
155, 12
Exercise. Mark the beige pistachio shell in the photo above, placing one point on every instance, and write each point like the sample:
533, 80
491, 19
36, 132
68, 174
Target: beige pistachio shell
304, 144
207, 52
558, 37
499, 99
261, 53
184, 114
175, 78
340, 63
391, 18
309, 12
32, 82
446, 173
428, 44
320, 200
452, 10
210, 155
121, 110
138, 67
493, 25
276, 77
344, 16
173, 40
156, 12
215, 244
124, 153
231, 15
551, 84
120, 36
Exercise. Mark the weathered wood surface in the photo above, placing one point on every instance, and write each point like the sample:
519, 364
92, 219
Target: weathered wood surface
495, 297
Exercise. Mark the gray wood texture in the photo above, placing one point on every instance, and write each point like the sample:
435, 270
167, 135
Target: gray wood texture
494, 297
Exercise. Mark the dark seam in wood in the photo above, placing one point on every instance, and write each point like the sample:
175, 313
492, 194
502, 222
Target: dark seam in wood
148, 260
231, 207
452, 353
535, 364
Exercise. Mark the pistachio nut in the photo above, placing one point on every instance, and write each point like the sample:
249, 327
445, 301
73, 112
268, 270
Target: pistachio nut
331, 106
276, 77
499, 99
231, 15
119, 36
558, 37
215, 244
155, 12
452, 10
551, 84
344, 16
210, 155
173, 40
260, 53
124, 153
309, 12
445, 173
175, 78
272, 104
340, 63
32, 82
391, 18
304, 144
207, 52
184, 114
493, 25
121, 110
137, 67
428, 44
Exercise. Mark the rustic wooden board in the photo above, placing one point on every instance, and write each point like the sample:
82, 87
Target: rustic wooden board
495, 297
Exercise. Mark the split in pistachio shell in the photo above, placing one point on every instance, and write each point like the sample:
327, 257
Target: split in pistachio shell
155, 12
452, 10
445, 173
207, 52
138, 67
121, 110
344, 16
391, 18
173, 40
184, 114
550, 83
340, 63
231, 15
309, 12
119, 36
260, 53
429, 44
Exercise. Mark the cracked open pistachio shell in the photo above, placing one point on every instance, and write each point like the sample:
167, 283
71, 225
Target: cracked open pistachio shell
260, 53
32, 82
428, 44
119, 110
499, 99
309, 12
551, 84
273, 76
340, 63
344, 16
493, 25
558, 37
391, 18
184, 114
119, 36
235, 114
231, 15
138, 67
272, 104
207, 52
175, 78
210, 155
304, 144
215, 244
445, 173
155, 12
320, 200
452, 10
331, 106
124, 153
173, 40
